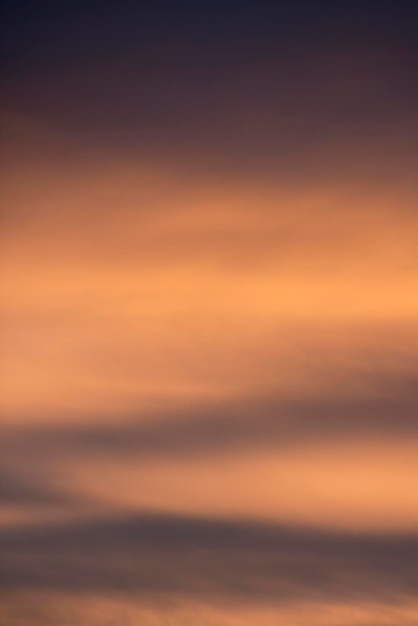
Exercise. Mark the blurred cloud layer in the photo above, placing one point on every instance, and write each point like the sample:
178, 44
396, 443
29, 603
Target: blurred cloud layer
209, 319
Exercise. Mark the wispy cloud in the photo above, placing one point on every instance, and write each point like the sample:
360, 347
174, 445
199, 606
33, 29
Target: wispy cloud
210, 559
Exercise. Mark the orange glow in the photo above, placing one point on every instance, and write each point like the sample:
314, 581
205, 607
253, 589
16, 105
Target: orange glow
212, 375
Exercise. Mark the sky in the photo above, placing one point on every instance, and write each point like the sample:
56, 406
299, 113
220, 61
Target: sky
209, 312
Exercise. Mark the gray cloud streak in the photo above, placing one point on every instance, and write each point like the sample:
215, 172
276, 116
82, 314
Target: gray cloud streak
209, 559
256, 423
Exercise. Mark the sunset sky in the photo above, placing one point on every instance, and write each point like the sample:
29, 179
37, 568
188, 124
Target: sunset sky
209, 312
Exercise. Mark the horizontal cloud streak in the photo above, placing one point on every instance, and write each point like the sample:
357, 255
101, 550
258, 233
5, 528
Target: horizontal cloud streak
252, 422
147, 555
17, 491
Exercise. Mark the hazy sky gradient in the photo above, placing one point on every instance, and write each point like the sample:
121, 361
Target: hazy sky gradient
209, 271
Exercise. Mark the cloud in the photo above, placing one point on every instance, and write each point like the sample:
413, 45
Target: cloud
388, 409
147, 555
339, 462
17, 491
